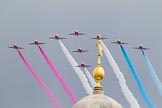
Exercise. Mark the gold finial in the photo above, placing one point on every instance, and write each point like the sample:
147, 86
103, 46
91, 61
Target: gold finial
100, 49
98, 72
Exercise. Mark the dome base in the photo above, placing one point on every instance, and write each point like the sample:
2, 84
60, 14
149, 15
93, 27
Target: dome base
98, 90
97, 101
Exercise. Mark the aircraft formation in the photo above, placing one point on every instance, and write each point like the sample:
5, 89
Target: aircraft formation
79, 50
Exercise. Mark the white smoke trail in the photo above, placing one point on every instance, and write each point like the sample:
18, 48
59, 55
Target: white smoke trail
91, 79
122, 81
78, 71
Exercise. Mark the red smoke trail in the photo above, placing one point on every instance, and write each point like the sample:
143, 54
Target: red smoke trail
42, 84
59, 77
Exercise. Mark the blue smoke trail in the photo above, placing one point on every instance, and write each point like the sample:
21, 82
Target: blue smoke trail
137, 79
153, 73
121, 79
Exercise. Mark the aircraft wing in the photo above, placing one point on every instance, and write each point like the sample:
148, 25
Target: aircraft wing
104, 38
123, 43
81, 34
71, 34
93, 38
20, 48
16, 48
84, 50
99, 38
41, 43
136, 48
62, 38
88, 66
78, 66
56, 38
146, 48
75, 51
114, 42
31, 43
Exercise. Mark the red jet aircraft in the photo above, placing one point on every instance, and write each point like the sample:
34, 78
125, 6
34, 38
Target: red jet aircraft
99, 37
16, 47
36, 43
56, 37
77, 33
80, 50
140, 47
119, 42
83, 65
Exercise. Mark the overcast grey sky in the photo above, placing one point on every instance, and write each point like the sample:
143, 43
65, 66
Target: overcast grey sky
22, 21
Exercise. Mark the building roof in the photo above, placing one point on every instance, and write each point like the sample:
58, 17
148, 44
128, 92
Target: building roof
97, 100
